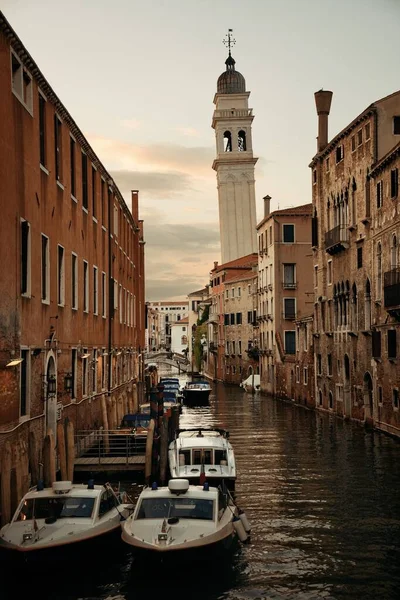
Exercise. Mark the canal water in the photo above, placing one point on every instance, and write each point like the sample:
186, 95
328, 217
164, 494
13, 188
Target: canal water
323, 498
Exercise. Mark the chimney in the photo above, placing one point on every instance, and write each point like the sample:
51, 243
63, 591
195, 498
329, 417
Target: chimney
215, 264
323, 101
267, 205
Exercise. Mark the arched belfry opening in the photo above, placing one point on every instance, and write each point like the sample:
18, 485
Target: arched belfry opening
242, 141
227, 141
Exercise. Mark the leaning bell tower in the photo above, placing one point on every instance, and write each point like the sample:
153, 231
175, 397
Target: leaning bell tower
234, 163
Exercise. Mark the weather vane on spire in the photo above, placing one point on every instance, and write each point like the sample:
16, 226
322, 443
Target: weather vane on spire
230, 41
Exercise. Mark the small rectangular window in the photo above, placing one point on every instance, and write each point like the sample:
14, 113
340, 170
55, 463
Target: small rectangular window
84, 181
25, 258
16, 73
238, 318
239, 292
339, 154
359, 258
232, 315
60, 276
327, 164
376, 344
288, 234
395, 398
297, 374
359, 137
330, 364
74, 281
95, 291
319, 364
379, 194
289, 309
72, 166
115, 220
85, 286
24, 383
392, 343
58, 147
353, 143
103, 369
233, 292
42, 130
289, 276
329, 272
394, 183
103, 201
305, 375
396, 125
290, 342
250, 316
94, 192
74, 372
367, 131
45, 270
314, 176
103, 294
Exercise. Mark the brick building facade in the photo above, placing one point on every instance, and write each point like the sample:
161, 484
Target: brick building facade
72, 272
355, 253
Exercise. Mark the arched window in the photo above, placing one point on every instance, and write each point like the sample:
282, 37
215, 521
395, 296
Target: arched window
346, 368
393, 252
184, 340
227, 141
378, 271
242, 141
354, 308
367, 305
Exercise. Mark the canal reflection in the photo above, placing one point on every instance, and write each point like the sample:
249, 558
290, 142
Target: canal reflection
323, 499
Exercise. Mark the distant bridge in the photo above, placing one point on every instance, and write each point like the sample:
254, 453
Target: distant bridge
177, 361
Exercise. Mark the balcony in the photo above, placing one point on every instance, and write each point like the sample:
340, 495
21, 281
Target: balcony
391, 290
289, 285
213, 318
337, 239
213, 347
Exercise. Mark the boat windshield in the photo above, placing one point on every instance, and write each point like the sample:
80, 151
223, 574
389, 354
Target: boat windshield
183, 508
58, 508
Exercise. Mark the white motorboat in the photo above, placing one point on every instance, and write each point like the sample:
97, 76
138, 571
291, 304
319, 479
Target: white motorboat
201, 453
251, 384
196, 393
183, 519
66, 517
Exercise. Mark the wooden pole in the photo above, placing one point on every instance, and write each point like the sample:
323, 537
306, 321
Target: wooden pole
61, 450
33, 458
25, 466
114, 421
164, 450
6, 484
149, 451
105, 423
70, 445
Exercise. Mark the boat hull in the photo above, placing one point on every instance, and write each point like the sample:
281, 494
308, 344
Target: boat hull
205, 552
71, 551
196, 397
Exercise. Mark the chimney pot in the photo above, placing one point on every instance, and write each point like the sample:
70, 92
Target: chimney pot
267, 205
323, 99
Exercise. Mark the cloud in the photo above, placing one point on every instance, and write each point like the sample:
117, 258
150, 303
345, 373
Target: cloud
130, 123
170, 184
194, 161
189, 131
183, 237
174, 289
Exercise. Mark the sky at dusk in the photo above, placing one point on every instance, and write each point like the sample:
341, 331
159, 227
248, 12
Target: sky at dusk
139, 79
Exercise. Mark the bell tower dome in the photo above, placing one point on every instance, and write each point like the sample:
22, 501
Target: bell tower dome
234, 162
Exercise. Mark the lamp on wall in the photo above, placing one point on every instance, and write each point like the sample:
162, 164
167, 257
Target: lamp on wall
68, 382
51, 385
14, 362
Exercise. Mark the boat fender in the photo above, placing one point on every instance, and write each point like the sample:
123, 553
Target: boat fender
245, 521
239, 529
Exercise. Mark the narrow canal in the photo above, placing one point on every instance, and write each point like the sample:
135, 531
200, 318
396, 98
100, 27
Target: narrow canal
323, 498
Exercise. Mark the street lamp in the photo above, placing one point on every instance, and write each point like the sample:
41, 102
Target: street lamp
51, 385
68, 382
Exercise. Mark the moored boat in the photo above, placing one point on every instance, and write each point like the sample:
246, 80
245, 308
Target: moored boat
203, 452
183, 520
196, 393
63, 520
